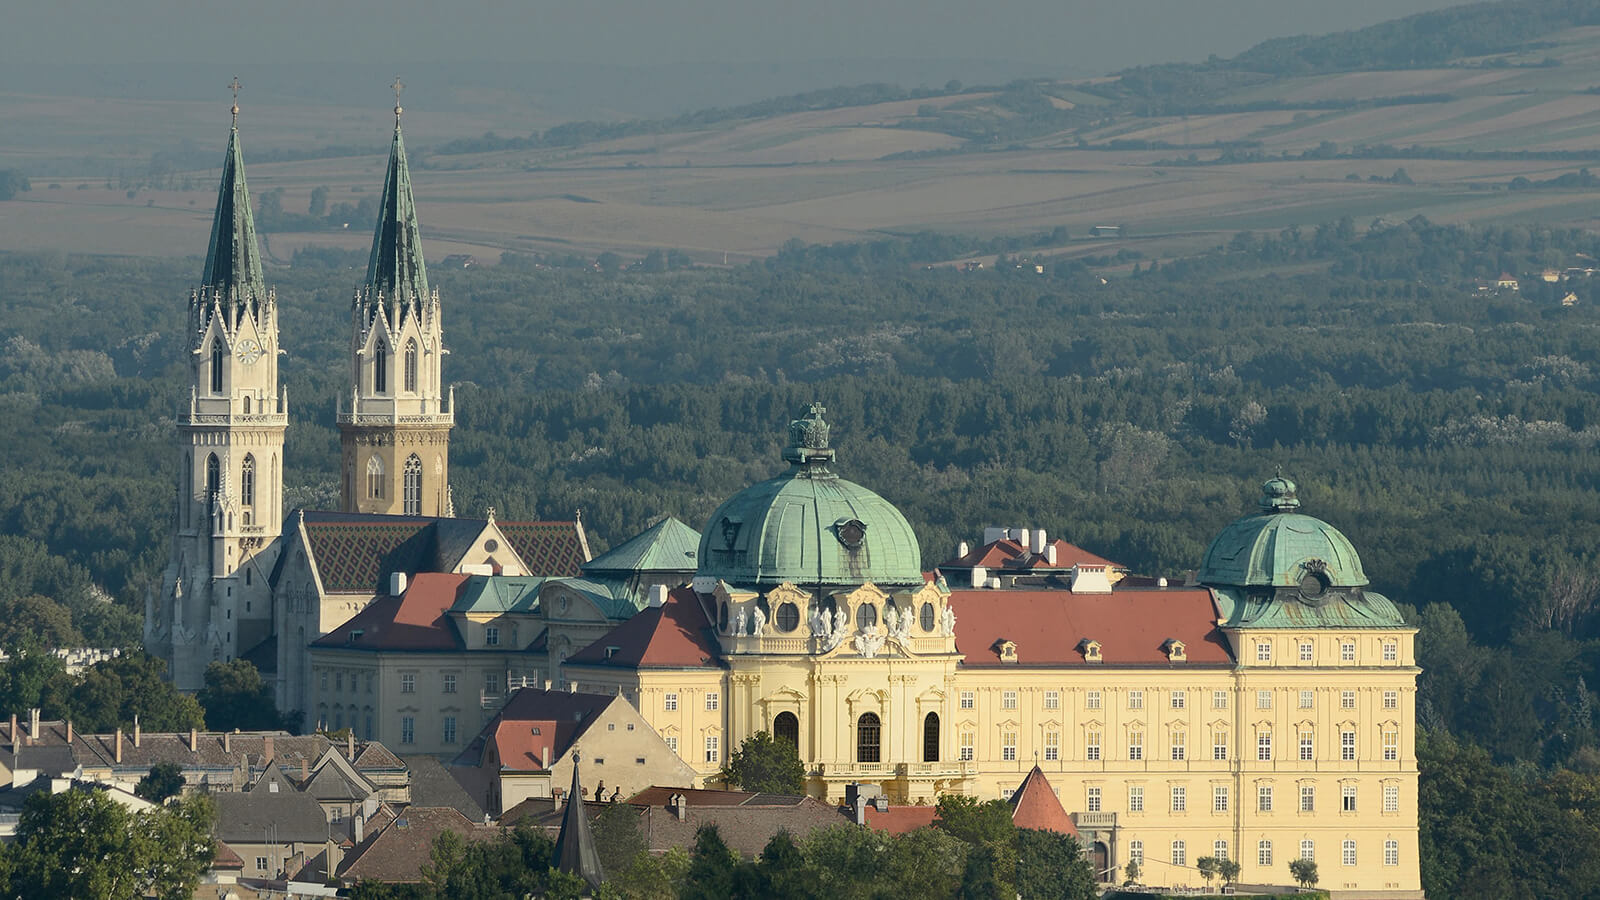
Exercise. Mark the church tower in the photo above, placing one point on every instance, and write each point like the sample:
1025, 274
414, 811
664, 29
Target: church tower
395, 425
230, 446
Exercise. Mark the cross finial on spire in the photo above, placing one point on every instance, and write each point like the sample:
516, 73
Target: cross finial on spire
234, 85
397, 87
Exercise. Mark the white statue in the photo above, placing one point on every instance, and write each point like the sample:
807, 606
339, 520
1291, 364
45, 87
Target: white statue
902, 630
891, 619
841, 621
819, 623
738, 628
760, 621
949, 621
868, 644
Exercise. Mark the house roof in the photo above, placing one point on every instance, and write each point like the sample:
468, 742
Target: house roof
532, 723
400, 850
548, 548
667, 546
1009, 554
673, 635
745, 829
1035, 805
283, 817
610, 595
416, 620
499, 594
1132, 626
657, 795
901, 819
225, 857
432, 785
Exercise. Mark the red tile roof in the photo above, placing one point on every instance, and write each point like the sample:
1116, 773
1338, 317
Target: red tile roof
1009, 554
901, 819
1048, 625
414, 621
673, 635
1036, 806
560, 717
657, 795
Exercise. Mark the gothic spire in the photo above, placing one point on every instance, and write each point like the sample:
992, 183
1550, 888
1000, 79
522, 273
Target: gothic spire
575, 850
233, 260
396, 263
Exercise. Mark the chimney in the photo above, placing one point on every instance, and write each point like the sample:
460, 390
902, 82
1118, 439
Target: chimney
33, 724
658, 595
858, 810
69, 732
1050, 554
545, 754
268, 750
350, 744
194, 740
572, 687
547, 684
305, 770
360, 828
397, 583
227, 742
1039, 541
962, 549
1161, 582
678, 805
980, 575
136, 733
13, 732
117, 754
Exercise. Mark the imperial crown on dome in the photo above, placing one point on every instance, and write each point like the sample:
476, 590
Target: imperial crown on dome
809, 527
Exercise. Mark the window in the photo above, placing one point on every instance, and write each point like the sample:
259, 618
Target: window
412, 489
1180, 748
369, 683
247, 481
408, 729
216, 366
1180, 699
1008, 700
1264, 853
1263, 651
449, 729
1391, 798
1180, 798
671, 702
1307, 744
261, 863
713, 700
1092, 700
1136, 699
1091, 746
1052, 699
1264, 798
322, 679
1347, 699
1305, 651
1092, 802
1391, 652
1347, 651
1219, 745
380, 368
374, 478
966, 700
1347, 798
1308, 850
713, 748
1263, 699
491, 684
1391, 699
966, 745
1348, 857
411, 366
1219, 699
1052, 746
338, 680
449, 684
930, 736
1391, 745
1347, 745
868, 735
1136, 852
1136, 798
491, 636
1219, 849
213, 478
1391, 853
1264, 746
408, 684
1308, 798
1136, 745
1308, 699
672, 744
927, 617
1008, 745
1179, 854
786, 728
1219, 798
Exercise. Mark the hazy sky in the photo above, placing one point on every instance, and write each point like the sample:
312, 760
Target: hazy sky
1072, 34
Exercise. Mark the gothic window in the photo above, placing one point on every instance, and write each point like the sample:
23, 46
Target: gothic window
188, 488
216, 366
375, 478
786, 728
411, 366
868, 732
213, 478
247, 481
930, 737
247, 405
413, 486
380, 368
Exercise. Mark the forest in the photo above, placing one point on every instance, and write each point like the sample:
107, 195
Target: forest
1130, 406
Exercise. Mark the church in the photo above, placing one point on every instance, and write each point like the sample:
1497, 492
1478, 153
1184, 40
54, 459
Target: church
1261, 710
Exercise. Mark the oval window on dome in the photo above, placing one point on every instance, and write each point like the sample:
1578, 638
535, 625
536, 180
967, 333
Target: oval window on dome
788, 617
927, 617
1313, 585
866, 615
851, 532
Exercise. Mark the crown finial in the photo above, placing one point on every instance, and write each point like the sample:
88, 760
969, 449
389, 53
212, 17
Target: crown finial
808, 438
234, 86
397, 87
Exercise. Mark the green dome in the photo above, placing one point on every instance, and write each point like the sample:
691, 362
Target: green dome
810, 527
1282, 548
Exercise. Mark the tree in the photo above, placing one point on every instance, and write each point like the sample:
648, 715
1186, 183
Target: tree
234, 696
1229, 870
845, 860
319, 201
649, 877
1132, 871
1208, 868
164, 780
763, 763
113, 692
711, 867
81, 843
975, 821
1304, 872
1052, 865
32, 677
617, 836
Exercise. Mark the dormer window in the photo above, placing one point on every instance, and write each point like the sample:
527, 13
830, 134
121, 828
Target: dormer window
1007, 650
1175, 650
1090, 650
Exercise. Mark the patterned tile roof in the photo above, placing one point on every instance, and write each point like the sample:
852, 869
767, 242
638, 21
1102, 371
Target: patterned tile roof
548, 548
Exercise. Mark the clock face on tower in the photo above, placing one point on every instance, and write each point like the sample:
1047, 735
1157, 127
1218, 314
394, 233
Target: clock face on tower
248, 352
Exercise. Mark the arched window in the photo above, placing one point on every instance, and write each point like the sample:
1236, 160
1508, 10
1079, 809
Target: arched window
380, 368
216, 366
247, 481
413, 486
866, 616
411, 366
868, 733
213, 478
247, 404
930, 737
786, 728
375, 478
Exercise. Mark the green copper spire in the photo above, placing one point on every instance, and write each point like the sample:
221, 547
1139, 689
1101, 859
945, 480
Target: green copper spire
396, 262
233, 260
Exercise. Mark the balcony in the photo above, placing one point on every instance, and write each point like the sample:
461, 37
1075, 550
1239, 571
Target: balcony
922, 771
1096, 820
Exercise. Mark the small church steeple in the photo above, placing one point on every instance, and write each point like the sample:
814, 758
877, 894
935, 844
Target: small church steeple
233, 262
396, 266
